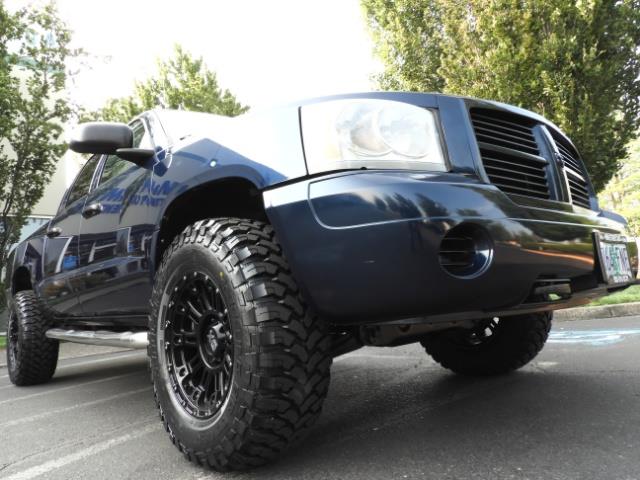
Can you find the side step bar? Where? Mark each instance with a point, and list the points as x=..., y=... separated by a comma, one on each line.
x=101, y=337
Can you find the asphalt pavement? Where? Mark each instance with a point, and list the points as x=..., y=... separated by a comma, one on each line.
x=391, y=413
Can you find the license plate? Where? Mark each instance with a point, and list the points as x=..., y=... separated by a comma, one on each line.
x=614, y=258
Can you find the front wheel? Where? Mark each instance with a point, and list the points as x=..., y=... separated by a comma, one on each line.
x=239, y=364
x=494, y=346
x=31, y=356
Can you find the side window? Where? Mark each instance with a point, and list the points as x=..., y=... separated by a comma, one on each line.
x=82, y=183
x=141, y=138
x=114, y=165
x=157, y=131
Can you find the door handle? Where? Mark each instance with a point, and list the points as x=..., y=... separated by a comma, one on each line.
x=92, y=210
x=54, y=232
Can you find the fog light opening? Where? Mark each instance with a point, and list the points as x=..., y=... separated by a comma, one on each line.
x=466, y=251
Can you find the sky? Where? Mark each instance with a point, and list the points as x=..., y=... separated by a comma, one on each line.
x=264, y=52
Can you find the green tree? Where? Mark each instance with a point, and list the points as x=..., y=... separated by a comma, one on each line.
x=622, y=193
x=34, y=47
x=575, y=62
x=183, y=82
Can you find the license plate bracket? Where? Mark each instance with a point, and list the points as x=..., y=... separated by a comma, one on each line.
x=614, y=258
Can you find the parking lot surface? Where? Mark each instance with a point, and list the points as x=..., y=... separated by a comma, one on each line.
x=391, y=413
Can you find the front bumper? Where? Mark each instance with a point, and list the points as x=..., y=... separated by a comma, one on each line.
x=364, y=247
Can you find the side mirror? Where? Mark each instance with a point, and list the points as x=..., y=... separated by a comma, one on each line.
x=139, y=156
x=101, y=137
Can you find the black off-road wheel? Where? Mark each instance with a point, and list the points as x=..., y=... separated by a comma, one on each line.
x=240, y=366
x=494, y=346
x=31, y=357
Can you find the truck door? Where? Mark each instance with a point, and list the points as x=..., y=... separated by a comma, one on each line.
x=115, y=237
x=61, y=270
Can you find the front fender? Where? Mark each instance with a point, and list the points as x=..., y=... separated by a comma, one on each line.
x=262, y=148
x=7, y=274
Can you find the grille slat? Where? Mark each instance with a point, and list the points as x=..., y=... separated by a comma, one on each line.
x=508, y=130
x=510, y=154
x=521, y=190
x=515, y=169
x=575, y=175
x=532, y=181
x=520, y=163
x=516, y=155
x=507, y=143
x=580, y=196
x=519, y=140
x=576, y=182
x=493, y=117
x=579, y=192
x=571, y=162
x=578, y=189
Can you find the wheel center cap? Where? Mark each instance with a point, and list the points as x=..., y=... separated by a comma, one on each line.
x=212, y=338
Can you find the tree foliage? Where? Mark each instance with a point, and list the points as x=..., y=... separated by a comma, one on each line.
x=622, y=193
x=181, y=82
x=34, y=47
x=575, y=62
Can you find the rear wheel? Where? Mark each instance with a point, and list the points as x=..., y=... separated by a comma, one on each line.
x=31, y=356
x=494, y=346
x=240, y=366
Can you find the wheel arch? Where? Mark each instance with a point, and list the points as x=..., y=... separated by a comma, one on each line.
x=234, y=196
x=21, y=280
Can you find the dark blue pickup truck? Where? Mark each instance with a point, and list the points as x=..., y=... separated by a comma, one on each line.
x=245, y=253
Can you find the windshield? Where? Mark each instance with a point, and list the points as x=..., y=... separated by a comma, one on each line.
x=180, y=124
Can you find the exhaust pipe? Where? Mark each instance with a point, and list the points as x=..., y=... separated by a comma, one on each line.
x=103, y=338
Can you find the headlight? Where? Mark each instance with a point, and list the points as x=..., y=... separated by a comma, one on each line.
x=357, y=133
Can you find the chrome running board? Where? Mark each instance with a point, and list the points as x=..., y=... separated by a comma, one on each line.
x=101, y=337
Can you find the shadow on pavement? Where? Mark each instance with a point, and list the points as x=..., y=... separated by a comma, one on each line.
x=453, y=427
